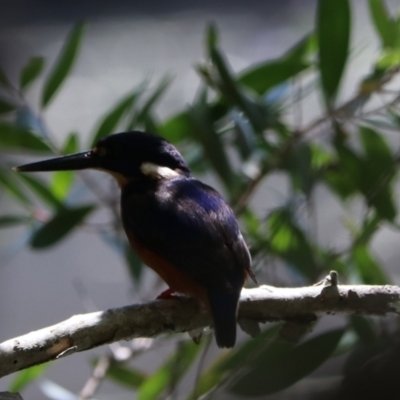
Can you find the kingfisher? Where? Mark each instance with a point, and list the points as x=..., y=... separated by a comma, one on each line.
x=178, y=226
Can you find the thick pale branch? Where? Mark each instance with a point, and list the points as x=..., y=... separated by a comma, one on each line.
x=265, y=303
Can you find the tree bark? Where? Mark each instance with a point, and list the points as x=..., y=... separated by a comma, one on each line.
x=265, y=303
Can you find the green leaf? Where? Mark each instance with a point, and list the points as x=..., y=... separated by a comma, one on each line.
x=176, y=128
x=13, y=189
x=114, y=116
x=62, y=180
x=25, y=377
x=364, y=327
x=125, y=375
x=142, y=115
x=264, y=76
x=282, y=365
x=64, y=64
x=384, y=25
x=170, y=372
x=13, y=138
x=378, y=173
x=227, y=363
x=370, y=271
x=30, y=72
x=3, y=79
x=42, y=191
x=62, y=223
x=6, y=107
x=289, y=242
x=11, y=220
x=377, y=151
x=333, y=32
x=204, y=132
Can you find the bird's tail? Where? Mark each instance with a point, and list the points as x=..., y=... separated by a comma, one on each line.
x=223, y=308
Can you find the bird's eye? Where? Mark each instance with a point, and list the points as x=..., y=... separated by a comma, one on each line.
x=99, y=151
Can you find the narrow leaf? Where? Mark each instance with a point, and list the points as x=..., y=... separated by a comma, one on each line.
x=3, y=79
x=176, y=128
x=59, y=226
x=384, y=25
x=11, y=220
x=126, y=376
x=170, y=372
x=283, y=365
x=62, y=180
x=370, y=271
x=141, y=116
x=111, y=120
x=264, y=76
x=13, y=189
x=30, y=72
x=25, y=377
x=42, y=191
x=14, y=138
x=6, y=107
x=64, y=64
x=333, y=32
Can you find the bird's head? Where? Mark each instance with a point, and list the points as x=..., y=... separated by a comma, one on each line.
x=128, y=156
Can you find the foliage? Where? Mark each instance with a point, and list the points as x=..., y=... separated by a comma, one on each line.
x=238, y=127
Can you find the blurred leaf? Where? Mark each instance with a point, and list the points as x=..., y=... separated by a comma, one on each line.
x=333, y=31
x=30, y=72
x=377, y=151
x=62, y=180
x=11, y=220
x=42, y=191
x=281, y=365
x=378, y=172
x=212, y=36
x=114, y=116
x=384, y=25
x=64, y=64
x=369, y=228
x=62, y=223
x=13, y=189
x=204, y=132
x=3, y=79
x=25, y=377
x=134, y=263
x=176, y=128
x=27, y=120
x=6, y=107
x=289, y=242
x=170, y=372
x=364, y=328
x=142, y=115
x=370, y=271
x=125, y=375
x=264, y=76
x=257, y=113
x=13, y=138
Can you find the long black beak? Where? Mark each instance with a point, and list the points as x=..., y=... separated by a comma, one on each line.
x=83, y=160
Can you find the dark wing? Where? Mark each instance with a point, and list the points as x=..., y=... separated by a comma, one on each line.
x=190, y=225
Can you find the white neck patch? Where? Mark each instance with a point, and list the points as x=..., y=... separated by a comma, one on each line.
x=157, y=171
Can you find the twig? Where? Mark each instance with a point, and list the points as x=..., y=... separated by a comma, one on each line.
x=265, y=303
x=94, y=382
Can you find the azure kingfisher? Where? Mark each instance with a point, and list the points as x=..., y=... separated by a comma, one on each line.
x=178, y=226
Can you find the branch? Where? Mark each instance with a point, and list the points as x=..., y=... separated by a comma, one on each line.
x=265, y=303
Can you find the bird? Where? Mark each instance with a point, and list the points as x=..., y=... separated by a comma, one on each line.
x=180, y=227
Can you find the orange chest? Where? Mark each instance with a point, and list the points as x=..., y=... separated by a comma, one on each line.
x=178, y=280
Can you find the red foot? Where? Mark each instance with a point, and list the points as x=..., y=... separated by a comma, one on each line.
x=167, y=294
